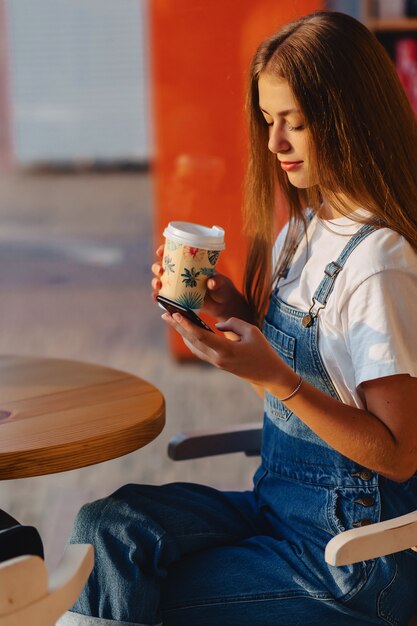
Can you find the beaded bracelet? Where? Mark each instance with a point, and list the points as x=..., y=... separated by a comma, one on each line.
x=300, y=382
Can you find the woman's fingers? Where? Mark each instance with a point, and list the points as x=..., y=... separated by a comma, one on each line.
x=219, y=287
x=225, y=300
x=156, y=284
x=234, y=325
x=157, y=269
x=182, y=325
x=194, y=338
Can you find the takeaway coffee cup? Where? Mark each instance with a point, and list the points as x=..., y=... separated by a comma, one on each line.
x=190, y=255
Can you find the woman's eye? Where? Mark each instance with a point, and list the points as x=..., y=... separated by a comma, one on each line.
x=291, y=128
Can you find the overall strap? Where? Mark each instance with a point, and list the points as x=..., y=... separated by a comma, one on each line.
x=325, y=288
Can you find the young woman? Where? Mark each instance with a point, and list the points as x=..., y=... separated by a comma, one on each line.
x=336, y=360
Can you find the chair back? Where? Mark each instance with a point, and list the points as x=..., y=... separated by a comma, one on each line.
x=28, y=595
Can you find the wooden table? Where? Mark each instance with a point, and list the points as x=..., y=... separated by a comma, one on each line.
x=58, y=415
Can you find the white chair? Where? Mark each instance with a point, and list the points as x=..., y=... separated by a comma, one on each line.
x=29, y=597
x=350, y=546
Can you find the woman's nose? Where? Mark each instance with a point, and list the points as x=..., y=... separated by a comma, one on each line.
x=277, y=142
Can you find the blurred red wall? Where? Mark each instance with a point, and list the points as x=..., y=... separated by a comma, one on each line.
x=200, y=56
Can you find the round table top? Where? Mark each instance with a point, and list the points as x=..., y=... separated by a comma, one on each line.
x=58, y=415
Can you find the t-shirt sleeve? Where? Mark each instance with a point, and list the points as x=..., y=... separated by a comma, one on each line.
x=380, y=325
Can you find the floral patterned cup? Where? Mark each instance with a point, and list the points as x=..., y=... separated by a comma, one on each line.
x=190, y=256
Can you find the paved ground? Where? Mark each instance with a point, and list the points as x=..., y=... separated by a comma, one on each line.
x=75, y=252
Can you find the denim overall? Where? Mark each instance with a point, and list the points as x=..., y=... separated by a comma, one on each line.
x=188, y=555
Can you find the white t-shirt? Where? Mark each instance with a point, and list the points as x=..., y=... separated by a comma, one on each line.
x=369, y=326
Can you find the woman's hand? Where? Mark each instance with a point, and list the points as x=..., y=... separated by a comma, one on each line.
x=157, y=271
x=222, y=299
x=250, y=356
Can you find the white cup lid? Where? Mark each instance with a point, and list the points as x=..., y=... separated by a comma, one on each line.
x=196, y=235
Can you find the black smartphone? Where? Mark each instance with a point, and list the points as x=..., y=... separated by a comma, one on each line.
x=175, y=307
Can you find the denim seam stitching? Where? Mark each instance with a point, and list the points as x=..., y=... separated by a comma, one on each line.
x=358, y=586
x=390, y=619
x=288, y=352
x=203, y=534
x=314, y=341
x=323, y=597
x=277, y=471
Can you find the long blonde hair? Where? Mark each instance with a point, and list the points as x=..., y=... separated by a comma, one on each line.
x=362, y=130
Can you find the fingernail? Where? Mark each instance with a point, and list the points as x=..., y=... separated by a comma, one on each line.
x=177, y=317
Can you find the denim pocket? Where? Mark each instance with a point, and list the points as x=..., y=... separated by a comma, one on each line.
x=275, y=409
x=284, y=345
x=396, y=600
x=353, y=507
x=346, y=509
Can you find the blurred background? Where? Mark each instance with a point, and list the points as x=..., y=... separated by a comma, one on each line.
x=115, y=118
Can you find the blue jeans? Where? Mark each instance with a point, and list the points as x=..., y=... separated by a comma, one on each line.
x=185, y=554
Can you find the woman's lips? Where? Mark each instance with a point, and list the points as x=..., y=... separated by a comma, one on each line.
x=289, y=166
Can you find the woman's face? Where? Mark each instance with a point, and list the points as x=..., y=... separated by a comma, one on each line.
x=288, y=137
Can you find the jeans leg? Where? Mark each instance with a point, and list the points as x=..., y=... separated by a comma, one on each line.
x=261, y=581
x=140, y=530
